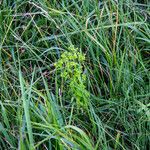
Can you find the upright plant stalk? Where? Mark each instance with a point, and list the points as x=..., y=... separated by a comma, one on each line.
x=71, y=68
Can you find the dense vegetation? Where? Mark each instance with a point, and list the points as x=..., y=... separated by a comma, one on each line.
x=74, y=74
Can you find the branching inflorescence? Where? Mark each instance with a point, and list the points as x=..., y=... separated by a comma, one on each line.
x=71, y=66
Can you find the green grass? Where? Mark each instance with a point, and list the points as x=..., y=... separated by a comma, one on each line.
x=36, y=109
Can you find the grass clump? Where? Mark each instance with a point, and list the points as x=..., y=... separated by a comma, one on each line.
x=97, y=101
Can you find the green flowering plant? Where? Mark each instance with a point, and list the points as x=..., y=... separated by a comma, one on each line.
x=71, y=68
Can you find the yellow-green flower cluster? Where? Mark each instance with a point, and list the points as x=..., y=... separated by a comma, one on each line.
x=71, y=68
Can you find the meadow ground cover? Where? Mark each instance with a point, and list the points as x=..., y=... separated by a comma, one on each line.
x=75, y=74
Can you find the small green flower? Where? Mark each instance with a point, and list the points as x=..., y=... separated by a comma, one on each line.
x=72, y=72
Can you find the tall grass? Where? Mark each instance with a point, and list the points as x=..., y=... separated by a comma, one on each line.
x=36, y=109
